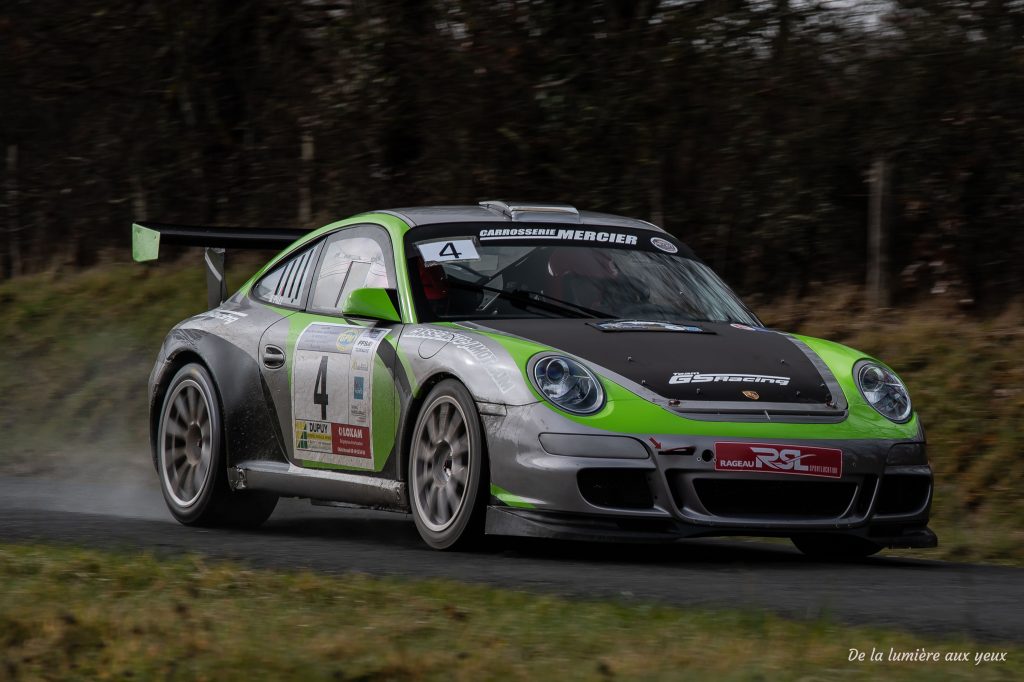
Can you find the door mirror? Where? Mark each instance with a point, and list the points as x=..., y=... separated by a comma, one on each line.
x=372, y=303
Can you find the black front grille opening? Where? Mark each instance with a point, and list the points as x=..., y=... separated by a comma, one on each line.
x=621, y=488
x=800, y=499
x=902, y=494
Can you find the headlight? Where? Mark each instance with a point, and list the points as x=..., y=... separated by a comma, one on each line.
x=568, y=384
x=883, y=390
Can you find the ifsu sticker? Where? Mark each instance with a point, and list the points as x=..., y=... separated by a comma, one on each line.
x=800, y=460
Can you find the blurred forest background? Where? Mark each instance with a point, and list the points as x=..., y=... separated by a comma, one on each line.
x=753, y=129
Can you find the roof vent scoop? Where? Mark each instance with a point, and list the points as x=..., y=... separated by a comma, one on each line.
x=534, y=211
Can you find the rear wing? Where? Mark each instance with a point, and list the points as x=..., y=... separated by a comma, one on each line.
x=147, y=238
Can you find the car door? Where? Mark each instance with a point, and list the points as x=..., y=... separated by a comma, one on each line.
x=340, y=410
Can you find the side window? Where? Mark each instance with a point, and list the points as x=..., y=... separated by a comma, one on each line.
x=352, y=259
x=287, y=284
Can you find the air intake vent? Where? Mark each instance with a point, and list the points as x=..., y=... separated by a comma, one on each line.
x=775, y=499
x=622, y=488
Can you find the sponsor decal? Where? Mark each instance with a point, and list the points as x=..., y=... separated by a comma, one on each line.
x=448, y=251
x=779, y=459
x=225, y=316
x=705, y=378
x=558, y=235
x=484, y=356
x=753, y=395
x=347, y=339
x=312, y=435
x=332, y=393
x=351, y=441
x=646, y=326
x=664, y=244
x=344, y=440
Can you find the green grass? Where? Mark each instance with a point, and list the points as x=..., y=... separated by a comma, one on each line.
x=79, y=614
x=79, y=348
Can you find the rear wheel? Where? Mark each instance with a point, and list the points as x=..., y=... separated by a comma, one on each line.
x=190, y=458
x=835, y=547
x=448, y=469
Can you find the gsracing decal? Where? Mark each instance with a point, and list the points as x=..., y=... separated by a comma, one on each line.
x=779, y=459
x=484, y=356
x=332, y=391
x=705, y=378
x=558, y=235
x=448, y=251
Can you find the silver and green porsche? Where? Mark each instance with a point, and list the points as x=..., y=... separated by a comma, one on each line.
x=527, y=370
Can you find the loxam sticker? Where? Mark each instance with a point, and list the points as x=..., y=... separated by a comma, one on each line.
x=332, y=393
x=448, y=251
x=705, y=378
x=502, y=377
x=779, y=459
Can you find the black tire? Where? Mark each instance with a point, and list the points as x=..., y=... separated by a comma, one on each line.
x=190, y=458
x=448, y=485
x=835, y=547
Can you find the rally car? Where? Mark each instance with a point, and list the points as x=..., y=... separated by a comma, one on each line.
x=523, y=369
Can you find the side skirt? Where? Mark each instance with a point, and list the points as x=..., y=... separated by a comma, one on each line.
x=289, y=480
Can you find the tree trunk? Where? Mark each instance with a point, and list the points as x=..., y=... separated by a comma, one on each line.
x=306, y=179
x=14, y=265
x=878, y=239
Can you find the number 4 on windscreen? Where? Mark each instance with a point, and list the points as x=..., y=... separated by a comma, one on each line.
x=451, y=250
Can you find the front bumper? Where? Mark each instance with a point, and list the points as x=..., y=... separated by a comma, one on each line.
x=665, y=487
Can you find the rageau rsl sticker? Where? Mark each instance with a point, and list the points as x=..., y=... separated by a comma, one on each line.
x=332, y=393
x=771, y=458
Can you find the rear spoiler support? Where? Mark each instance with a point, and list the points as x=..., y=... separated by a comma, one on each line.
x=216, y=276
x=147, y=238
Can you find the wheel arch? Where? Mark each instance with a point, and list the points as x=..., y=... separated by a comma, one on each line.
x=412, y=413
x=172, y=366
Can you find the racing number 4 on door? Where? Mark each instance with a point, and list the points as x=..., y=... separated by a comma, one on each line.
x=320, y=389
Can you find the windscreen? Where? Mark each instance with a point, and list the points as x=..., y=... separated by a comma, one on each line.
x=471, y=271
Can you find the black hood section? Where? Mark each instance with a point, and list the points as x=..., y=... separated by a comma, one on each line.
x=719, y=363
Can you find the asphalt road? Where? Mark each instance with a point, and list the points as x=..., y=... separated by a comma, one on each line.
x=925, y=596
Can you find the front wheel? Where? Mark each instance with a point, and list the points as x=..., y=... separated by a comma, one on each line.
x=190, y=458
x=447, y=468
x=835, y=547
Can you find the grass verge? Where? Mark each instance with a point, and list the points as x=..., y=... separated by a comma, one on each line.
x=81, y=614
